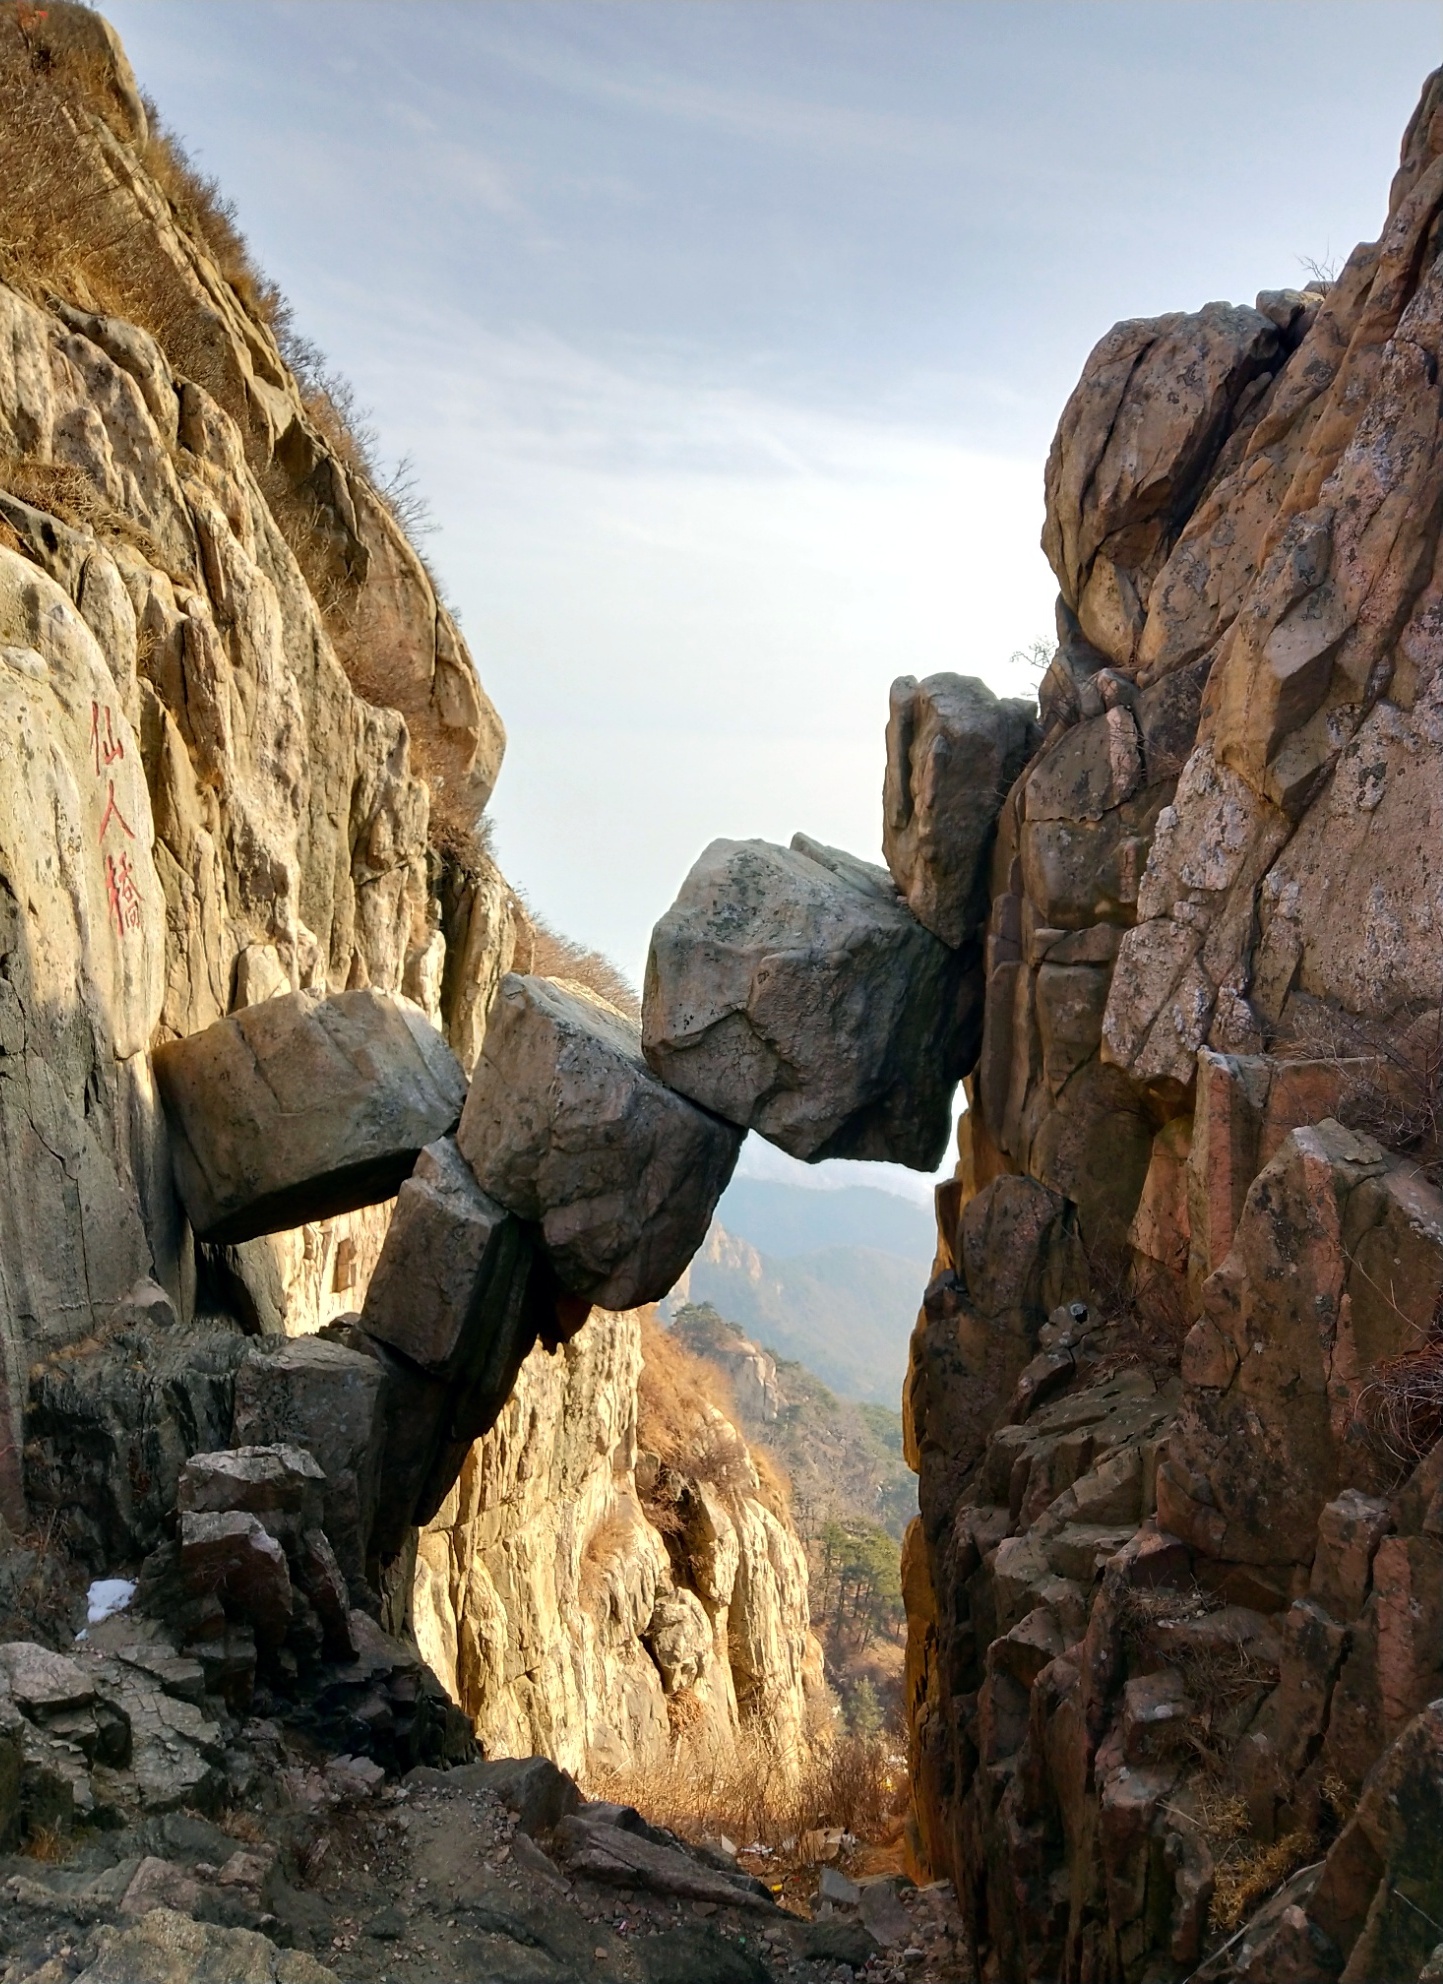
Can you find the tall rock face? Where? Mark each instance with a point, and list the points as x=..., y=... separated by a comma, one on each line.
x=250, y=938
x=243, y=728
x=1175, y=1588
x=585, y=1600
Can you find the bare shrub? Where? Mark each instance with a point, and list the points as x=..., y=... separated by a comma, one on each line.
x=684, y=1414
x=1142, y=1311
x=1402, y=1404
x=555, y=956
x=1390, y=1073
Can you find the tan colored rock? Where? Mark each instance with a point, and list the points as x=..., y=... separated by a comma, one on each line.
x=303, y=1107
x=550, y=1605
x=953, y=751
x=168, y=1948
x=1195, y=907
x=1134, y=448
x=1350, y=1529
x=1246, y=1105
x=1346, y=561
x=1161, y=1226
x=82, y=929
x=792, y=992
x=567, y=1126
x=1380, y=1889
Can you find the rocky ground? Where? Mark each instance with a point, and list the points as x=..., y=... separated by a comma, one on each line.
x=329, y=1869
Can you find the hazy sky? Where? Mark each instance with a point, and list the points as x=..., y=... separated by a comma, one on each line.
x=728, y=339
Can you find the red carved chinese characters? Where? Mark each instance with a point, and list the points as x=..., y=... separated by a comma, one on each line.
x=124, y=895
x=108, y=748
x=120, y=885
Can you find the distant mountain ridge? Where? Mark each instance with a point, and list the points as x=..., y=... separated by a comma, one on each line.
x=831, y=1279
x=798, y=1219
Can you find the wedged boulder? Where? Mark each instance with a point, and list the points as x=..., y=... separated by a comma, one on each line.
x=567, y=1126
x=459, y=1296
x=793, y=992
x=304, y=1106
x=450, y=1289
x=953, y=751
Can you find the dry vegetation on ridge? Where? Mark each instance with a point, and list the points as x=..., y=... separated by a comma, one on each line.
x=97, y=216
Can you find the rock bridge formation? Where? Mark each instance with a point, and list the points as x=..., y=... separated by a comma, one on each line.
x=1175, y=1592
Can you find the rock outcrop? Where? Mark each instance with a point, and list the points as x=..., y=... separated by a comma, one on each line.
x=251, y=944
x=953, y=752
x=1175, y=1586
x=582, y=1600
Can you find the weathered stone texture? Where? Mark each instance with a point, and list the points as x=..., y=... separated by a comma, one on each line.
x=303, y=1106
x=1213, y=973
x=566, y=1126
x=559, y=1616
x=953, y=750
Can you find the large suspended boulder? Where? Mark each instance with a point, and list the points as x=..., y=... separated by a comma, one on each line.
x=792, y=991
x=567, y=1126
x=953, y=751
x=302, y=1107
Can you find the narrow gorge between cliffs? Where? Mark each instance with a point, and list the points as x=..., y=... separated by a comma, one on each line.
x=406, y=1577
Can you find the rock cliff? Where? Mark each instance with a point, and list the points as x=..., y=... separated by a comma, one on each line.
x=586, y=1599
x=250, y=935
x=1175, y=1588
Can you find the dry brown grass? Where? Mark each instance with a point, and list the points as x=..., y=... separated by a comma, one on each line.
x=1247, y=1873
x=759, y=1797
x=685, y=1414
x=1402, y=1404
x=1390, y=1074
x=45, y=1843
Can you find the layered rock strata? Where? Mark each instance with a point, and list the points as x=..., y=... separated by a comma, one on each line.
x=1174, y=1589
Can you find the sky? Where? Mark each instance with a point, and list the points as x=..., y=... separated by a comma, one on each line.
x=726, y=338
